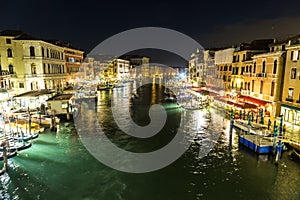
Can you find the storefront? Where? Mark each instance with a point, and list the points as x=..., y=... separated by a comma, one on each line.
x=290, y=114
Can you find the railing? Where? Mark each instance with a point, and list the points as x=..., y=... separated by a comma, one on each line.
x=245, y=92
x=43, y=75
x=261, y=75
x=248, y=74
x=289, y=99
x=4, y=72
x=272, y=76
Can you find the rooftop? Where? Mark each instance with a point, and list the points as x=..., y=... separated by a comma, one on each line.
x=34, y=93
x=59, y=97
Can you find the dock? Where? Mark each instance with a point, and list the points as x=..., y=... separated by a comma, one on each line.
x=260, y=145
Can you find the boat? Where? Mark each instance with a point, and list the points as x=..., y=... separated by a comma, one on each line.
x=44, y=120
x=9, y=155
x=17, y=146
x=296, y=148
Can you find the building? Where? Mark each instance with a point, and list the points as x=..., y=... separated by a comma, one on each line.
x=197, y=71
x=290, y=107
x=243, y=63
x=223, y=62
x=136, y=61
x=30, y=63
x=73, y=58
x=121, y=69
x=265, y=81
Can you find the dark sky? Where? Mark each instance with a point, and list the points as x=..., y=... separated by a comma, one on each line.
x=212, y=23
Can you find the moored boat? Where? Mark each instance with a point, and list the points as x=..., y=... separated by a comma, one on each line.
x=296, y=148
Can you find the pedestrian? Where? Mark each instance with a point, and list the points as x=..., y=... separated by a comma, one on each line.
x=284, y=129
x=269, y=124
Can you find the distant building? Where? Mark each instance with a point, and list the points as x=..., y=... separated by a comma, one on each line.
x=197, y=71
x=223, y=62
x=136, y=61
x=73, y=58
x=121, y=69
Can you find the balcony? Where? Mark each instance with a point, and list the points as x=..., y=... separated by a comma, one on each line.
x=289, y=99
x=261, y=75
x=247, y=74
x=245, y=92
x=272, y=76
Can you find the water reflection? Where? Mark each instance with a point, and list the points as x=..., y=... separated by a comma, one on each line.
x=58, y=165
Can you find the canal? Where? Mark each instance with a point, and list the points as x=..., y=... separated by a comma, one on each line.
x=58, y=166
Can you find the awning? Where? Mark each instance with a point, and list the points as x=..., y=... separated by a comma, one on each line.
x=291, y=107
x=258, y=102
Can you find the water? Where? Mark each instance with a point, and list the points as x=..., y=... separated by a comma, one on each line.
x=58, y=166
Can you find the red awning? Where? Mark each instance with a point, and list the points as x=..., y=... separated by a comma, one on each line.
x=253, y=100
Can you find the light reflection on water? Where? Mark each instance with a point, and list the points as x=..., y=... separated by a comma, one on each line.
x=59, y=167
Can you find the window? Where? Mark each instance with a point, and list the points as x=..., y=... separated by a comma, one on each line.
x=43, y=53
x=49, y=69
x=293, y=73
x=244, y=57
x=9, y=53
x=250, y=68
x=44, y=68
x=243, y=70
x=249, y=86
x=283, y=47
x=252, y=85
x=11, y=69
x=225, y=68
x=247, y=68
x=33, y=68
x=254, y=68
x=272, y=49
x=263, y=67
x=224, y=78
x=8, y=41
x=47, y=53
x=291, y=93
x=272, y=88
x=238, y=58
x=230, y=68
x=221, y=68
x=32, y=52
x=261, y=87
x=275, y=67
x=21, y=85
x=294, y=55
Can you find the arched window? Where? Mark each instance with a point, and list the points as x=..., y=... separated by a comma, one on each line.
x=264, y=67
x=32, y=52
x=9, y=53
x=11, y=69
x=33, y=68
x=275, y=67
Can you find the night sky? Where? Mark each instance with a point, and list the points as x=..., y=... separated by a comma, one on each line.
x=212, y=23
